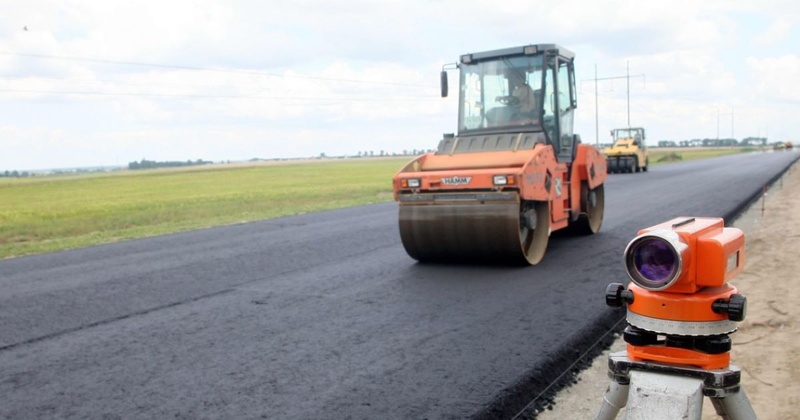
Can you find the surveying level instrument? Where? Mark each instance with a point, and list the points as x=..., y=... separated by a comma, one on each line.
x=680, y=312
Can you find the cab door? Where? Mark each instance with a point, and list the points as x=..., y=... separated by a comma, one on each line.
x=560, y=102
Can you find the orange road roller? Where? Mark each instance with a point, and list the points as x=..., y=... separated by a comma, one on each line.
x=514, y=172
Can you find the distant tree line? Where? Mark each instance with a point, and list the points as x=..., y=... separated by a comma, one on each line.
x=53, y=172
x=747, y=141
x=15, y=174
x=152, y=164
x=383, y=153
x=372, y=153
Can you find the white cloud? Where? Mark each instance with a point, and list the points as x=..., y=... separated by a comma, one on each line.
x=775, y=79
x=778, y=31
x=285, y=71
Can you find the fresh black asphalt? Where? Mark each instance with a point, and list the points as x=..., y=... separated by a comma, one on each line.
x=324, y=316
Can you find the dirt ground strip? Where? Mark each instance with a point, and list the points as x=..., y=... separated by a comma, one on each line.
x=767, y=344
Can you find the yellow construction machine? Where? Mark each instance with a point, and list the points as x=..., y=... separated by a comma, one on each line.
x=629, y=152
x=513, y=173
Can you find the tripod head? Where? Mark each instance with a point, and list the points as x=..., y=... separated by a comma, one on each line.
x=680, y=308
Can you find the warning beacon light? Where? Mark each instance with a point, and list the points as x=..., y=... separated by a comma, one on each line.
x=680, y=305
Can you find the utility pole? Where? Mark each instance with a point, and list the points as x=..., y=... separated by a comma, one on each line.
x=596, y=103
x=628, y=89
x=727, y=113
x=596, y=111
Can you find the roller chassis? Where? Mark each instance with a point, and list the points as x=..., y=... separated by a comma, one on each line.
x=508, y=225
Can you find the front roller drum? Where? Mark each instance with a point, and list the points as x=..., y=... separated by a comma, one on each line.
x=486, y=232
x=613, y=165
x=622, y=164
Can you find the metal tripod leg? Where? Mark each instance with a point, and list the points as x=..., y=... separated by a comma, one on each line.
x=663, y=391
x=615, y=398
x=734, y=406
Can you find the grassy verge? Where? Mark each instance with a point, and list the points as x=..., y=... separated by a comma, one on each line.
x=47, y=214
x=665, y=155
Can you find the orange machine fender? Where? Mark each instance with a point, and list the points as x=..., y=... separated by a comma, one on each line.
x=589, y=166
x=537, y=174
x=413, y=165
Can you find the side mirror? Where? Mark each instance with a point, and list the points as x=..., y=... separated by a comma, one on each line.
x=443, y=83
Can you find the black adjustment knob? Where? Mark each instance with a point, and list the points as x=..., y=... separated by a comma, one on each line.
x=713, y=345
x=616, y=295
x=735, y=307
x=639, y=337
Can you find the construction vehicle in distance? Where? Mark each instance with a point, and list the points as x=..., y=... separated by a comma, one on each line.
x=513, y=173
x=629, y=152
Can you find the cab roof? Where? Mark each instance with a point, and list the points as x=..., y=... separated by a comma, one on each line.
x=531, y=49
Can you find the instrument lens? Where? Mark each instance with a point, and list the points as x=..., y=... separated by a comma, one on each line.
x=655, y=261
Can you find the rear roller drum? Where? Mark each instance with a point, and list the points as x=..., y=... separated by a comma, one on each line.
x=592, y=209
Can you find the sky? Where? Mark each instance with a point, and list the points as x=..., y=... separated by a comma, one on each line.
x=95, y=83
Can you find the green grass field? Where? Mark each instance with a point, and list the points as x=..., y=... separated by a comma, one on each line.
x=665, y=155
x=54, y=213
x=46, y=214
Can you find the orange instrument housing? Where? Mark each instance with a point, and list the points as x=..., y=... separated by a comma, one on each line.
x=714, y=254
x=694, y=307
x=679, y=296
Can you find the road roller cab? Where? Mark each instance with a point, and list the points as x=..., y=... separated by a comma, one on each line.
x=513, y=173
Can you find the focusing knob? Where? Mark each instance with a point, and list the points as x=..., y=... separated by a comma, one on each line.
x=735, y=307
x=616, y=295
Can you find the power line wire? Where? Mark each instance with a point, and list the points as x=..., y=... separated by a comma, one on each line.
x=168, y=95
x=194, y=68
x=115, y=82
x=222, y=87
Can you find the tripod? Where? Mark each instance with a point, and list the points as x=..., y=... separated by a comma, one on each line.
x=656, y=390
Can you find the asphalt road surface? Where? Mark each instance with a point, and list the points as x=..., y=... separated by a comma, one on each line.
x=324, y=316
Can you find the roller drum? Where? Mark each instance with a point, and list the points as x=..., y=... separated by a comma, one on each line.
x=486, y=232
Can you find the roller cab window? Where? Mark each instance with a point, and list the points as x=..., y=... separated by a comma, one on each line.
x=501, y=94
